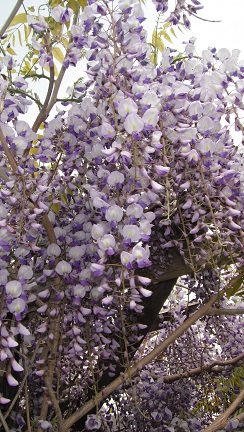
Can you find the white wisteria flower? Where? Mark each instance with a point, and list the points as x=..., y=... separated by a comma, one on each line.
x=115, y=178
x=25, y=272
x=53, y=250
x=13, y=288
x=114, y=213
x=131, y=233
x=97, y=231
x=134, y=210
x=133, y=123
x=76, y=252
x=127, y=106
x=63, y=268
x=17, y=306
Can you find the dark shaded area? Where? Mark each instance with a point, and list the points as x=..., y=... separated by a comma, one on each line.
x=152, y=306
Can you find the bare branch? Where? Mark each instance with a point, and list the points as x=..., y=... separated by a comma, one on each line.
x=53, y=400
x=134, y=369
x=239, y=417
x=52, y=92
x=224, y=311
x=44, y=113
x=50, y=354
x=59, y=80
x=221, y=421
x=10, y=17
x=22, y=92
x=28, y=422
x=49, y=229
x=200, y=18
x=6, y=428
x=56, y=89
x=166, y=315
x=203, y=368
x=8, y=152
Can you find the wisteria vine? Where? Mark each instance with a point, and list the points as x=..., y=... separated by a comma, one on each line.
x=135, y=182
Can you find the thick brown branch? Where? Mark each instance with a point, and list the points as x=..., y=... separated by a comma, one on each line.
x=10, y=17
x=134, y=369
x=49, y=355
x=239, y=417
x=153, y=304
x=222, y=420
x=167, y=315
x=175, y=268
x=49, y=229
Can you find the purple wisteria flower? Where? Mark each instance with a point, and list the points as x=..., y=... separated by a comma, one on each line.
x=93, y=422
x=38, y=24
x=61, y=14
x=137, y=177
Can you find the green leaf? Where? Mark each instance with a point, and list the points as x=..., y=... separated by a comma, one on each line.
x=54, y=3
x=180, y=28
x=74, y=5
x=165, y=35
x=58, y=54
x=65, y=42
x=167, y=25
x=55, y=207
x=18, y=19
x=55, y=27
x=11, y=51
x=26, y=67
x=46, y=68
x=19, y=36
x=27, y=31
x=64, y=199
x=34, y=60
x=157, y=41
x=82, y=3
x=236, y=286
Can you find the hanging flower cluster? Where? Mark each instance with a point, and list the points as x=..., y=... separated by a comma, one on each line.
x=164, y=390
x=142, y=165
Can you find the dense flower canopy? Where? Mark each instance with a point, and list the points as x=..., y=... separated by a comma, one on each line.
x=94, y=204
